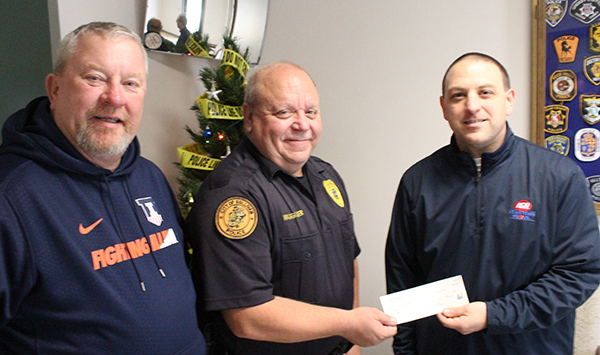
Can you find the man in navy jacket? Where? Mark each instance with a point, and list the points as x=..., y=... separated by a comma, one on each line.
x=514, y=219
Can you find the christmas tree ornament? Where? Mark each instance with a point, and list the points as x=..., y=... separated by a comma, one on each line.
x=207, y=133
x=212, y=93
x=227, y=152
x=189, y=197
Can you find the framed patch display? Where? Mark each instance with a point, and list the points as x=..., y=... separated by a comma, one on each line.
x=565, y=106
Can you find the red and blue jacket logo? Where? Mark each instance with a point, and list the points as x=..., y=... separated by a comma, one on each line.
x=522, y=211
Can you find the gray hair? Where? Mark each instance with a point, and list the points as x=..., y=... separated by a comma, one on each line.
x=108, y=30
x=183, y=19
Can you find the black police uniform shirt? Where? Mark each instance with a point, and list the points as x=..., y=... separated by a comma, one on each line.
x=257, y=233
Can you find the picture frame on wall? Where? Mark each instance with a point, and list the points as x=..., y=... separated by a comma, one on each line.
x=565, y=106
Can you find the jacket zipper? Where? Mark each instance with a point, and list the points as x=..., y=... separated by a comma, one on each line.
x=478, y=201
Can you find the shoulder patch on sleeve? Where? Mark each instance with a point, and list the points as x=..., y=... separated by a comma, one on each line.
x=236, y=218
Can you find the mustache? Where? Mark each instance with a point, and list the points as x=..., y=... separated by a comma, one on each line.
x=296, y=137
x=105, y=114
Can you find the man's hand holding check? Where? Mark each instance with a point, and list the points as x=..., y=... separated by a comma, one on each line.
x=447, y=298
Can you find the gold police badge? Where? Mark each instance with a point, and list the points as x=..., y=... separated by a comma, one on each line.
x=591, y=68
x=334, y=192
x=236, y=218
x=557, y=119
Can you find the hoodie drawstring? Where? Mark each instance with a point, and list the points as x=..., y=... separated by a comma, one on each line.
x=160, y=270
x=121, y=234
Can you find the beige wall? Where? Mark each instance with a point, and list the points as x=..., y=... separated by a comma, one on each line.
x=378, y=66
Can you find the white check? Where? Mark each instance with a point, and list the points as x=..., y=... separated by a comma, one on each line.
x=426, y=300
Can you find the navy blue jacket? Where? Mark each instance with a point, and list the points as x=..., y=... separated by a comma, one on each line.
x=77, y=241
x=523, y=234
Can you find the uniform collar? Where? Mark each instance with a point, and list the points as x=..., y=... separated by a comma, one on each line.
x=269, y=168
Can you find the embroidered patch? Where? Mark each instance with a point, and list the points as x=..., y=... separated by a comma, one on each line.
x=586, y=144
x=594, y=185
x=293, y=215
x=236, y=218
x=557, y=119
x=150, y=210
x=564, y=85
x=558, y=144
x=566, y=48
x=555, y=11
x=522, y=211
x=594, y=41
x=585, y=11
x=590, y=108
x=334, y=192
x=591, y=68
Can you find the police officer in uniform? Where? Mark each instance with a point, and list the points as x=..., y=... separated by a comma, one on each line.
x=273, y=236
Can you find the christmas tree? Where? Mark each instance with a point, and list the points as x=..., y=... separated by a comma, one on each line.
x=219, y=114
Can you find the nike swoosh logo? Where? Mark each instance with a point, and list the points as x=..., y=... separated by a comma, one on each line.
x=86, y=230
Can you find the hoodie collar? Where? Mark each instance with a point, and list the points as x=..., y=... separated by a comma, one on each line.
x=33, y=134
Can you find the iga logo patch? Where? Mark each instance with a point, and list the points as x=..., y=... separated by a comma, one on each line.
x=522, y=211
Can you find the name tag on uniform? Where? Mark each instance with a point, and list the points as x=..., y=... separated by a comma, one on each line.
x=426, y=300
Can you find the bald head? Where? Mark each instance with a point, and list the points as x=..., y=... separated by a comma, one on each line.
x=282, y=115
x=257, y=80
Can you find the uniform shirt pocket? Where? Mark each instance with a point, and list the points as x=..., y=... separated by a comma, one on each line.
x=299, y=260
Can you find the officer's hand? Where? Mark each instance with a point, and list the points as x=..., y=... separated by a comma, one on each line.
x=369, y=326
x=465, y=319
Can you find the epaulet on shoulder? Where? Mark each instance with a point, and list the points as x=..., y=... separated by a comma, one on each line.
x=240, y=177
x=320, y=161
